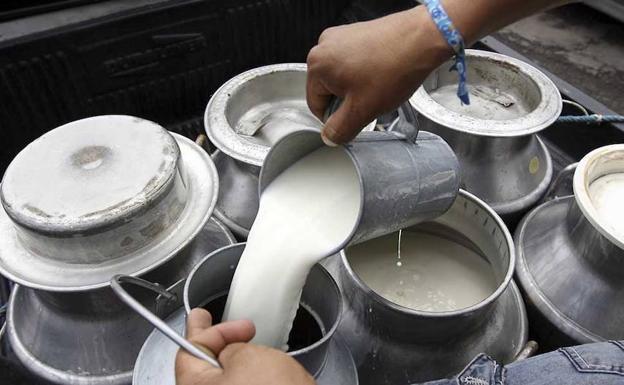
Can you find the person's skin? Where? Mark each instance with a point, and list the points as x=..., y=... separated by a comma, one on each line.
x=374, y=66
x=243, y=363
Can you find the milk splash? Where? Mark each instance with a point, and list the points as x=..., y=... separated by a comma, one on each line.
x=305, y=213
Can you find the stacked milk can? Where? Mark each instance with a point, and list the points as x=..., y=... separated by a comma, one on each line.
x=90, y=199
x=118, y=196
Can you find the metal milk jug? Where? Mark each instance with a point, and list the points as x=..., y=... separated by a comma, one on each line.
x=87, y=200
x=503, y=161
x=406, y=176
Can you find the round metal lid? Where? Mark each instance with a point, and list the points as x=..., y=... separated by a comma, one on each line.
x=599, y=190
x=508, y=97
x=88, y=174
x=253, y=110
x=24, y=253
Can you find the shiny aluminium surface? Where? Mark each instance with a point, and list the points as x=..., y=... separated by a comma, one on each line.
x=328, y=360
x=510, y=174
x=387, y=339
x=198, y=176
x=502, y=160
x=91, y=337
x=571, y=255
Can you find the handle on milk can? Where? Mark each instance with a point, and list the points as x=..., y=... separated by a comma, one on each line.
x=564, y=175
x=116, y=285
x=405, y=126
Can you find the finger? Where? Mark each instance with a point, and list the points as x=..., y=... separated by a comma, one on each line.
x=317, y=95
x=344, y=124
x=219, y=336
x=197, y=321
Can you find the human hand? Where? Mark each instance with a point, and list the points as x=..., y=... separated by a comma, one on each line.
x=373, y=66
x=243, y=363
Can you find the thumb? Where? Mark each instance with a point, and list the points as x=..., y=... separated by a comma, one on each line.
x=344, y=124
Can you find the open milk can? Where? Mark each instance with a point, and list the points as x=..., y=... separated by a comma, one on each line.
x=503, y=161
x=395, y=344
x=312, y=340
x=243, y=119
x=85, y=201
x=571, y=256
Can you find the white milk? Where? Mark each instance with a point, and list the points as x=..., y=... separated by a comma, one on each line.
x=433, y=274
x=305, y=214
x=607, y=193
x=485, y=102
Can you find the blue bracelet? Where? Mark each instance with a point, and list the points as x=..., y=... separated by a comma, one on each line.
x=455, y=40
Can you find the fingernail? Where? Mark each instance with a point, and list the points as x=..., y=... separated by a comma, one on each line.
x=327, y=141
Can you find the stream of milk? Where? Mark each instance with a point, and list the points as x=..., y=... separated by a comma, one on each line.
x=305, y=213
x=432, y=274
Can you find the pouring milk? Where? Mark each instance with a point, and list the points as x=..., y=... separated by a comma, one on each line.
x=305, y=213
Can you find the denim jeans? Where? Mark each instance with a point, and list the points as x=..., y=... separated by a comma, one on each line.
x=592, y=364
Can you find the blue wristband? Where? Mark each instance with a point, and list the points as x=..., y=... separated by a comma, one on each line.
x=455, y=40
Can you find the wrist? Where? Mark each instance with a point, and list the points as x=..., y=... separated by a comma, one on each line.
x=432, y=46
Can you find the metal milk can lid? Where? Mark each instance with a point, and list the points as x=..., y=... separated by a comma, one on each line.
x=89, y=174
x=100, y=196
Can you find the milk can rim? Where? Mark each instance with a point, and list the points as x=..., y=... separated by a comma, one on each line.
x=448, y=314
x=546, y=112
x=326, y=337
x=581, y=191
x=218, y=129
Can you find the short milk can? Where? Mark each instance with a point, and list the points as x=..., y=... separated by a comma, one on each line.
x=571, y=256
x=503, y=161
x=395, y=344
x=243, y=119
x=85, y=201
x=312, y=340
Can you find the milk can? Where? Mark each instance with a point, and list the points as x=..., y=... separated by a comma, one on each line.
x=243, y=119
x=392, y=344
x=312, y=340
x=571, y=256
x=87, y=200
x=503, y=161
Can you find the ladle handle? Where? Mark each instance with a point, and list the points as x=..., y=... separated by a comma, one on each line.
x=563, y=176
x=116, y=286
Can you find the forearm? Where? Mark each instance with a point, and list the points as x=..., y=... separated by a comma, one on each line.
x=476, y=19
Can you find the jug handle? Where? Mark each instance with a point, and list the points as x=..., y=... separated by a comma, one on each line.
x=405, y=126
x=407, y=123
x=116, y=285
x=563, y=176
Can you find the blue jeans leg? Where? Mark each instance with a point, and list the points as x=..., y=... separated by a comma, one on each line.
x=592, y=364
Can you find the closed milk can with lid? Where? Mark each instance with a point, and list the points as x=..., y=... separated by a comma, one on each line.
x=90, y=199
